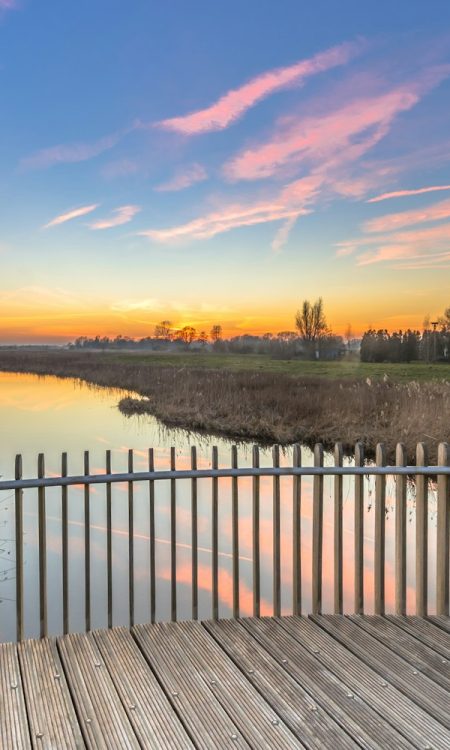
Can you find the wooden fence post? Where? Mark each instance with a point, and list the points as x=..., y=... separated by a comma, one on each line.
x=317, y=540
x=443, y=534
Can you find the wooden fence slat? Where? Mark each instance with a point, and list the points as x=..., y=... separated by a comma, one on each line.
x=215, y=536
x=380, y=533
x=400, y=533
x=87, y=547
x=443, y=534
x=109, y=541
x=317, y=540
x=276, y=536
x=256, y=536
x=65, y=546
x=130, y=542
x=42, y=534
x=359, y=532
x=194, y=536
x=18, y=512
x=338, y=539
x=151, y=467
x=421, y=534
x=173, y=541
x=235, y=531
x=296, y=534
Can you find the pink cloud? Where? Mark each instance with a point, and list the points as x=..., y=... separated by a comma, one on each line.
x=193, y=174
x=323, y=137
x=120, y=168
x=8, y=4
x=75, y=213
x=121, y=215
x=405, y=193
x=417, y=248
x=390, y=222
x=341, y=135
x=69, y=154
x=290, y=203
x=236, y=102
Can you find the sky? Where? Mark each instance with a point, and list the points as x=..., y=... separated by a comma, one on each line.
x=217, y=163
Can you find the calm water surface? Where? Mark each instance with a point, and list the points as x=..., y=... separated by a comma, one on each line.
x=51, y=415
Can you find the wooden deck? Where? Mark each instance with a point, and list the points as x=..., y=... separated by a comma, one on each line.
x=322, y=682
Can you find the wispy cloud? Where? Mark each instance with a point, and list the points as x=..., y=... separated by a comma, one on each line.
x=290, y=203
x=131, y=305
x=8, y=4
x=121, y=215
x=221, y=221
x=390, y=222
x=236, y=102
x=184, y=179
x=74, y=213
x=406, y=193
x=120, y=168
x=345, y=133
x=69, y=153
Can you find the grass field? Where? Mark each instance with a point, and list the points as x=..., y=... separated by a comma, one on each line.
x=398, y=372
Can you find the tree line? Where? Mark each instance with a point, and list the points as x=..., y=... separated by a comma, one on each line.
x=311, y=338
x=432, y=344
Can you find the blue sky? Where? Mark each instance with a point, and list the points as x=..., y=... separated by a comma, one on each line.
x=218, y=162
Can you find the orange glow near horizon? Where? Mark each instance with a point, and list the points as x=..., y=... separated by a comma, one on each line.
x=62, y=326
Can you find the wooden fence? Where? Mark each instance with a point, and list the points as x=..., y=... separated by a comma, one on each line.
x=421, y=471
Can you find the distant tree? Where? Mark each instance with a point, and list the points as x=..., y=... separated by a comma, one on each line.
x=311, y=323
x=202, y=338
x=163, y=330
x=187, y=334
x=216, y=333
x=286, y=336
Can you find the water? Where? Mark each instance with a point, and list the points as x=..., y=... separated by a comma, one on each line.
x=51, y=415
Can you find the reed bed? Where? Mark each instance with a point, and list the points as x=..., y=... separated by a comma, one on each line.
x=264, y=406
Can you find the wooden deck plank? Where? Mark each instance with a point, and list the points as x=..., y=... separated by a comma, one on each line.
x=395, y=670
x=52, y=719
x=152, y=717
x=426, y=632
x=442, y=621
x=316, y=729
x=328, y=692
x=258, y=722
x=102, y=718
x=205, y=719
x=14, y=730
x=401, y=712
x=410, y=648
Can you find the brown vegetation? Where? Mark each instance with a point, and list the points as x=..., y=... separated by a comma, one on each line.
x=264, y=406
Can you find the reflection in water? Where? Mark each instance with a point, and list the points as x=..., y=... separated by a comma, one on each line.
x=51, y=415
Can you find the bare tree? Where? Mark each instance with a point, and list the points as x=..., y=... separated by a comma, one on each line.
x=216, y=333
x=163, y=330
x=187, y=334
x=311, y=322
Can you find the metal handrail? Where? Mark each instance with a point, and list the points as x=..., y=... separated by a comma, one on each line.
x=268, y=471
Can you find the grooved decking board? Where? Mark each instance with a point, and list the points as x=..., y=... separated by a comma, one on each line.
x=316, y=729
x=415, y=724
x=427, y=633
x=207, y=722
x=404, y=644
x=51, y=714
x=260, y=724
x=322, y=683
x=441, y=621
x=332, y=695
x=13, y=717
x=148, y=709
x=395, y=670
x=102, y=718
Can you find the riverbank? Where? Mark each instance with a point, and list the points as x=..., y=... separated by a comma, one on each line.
x=263, y=404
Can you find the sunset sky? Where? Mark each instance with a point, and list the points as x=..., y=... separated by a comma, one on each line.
x=218, y=162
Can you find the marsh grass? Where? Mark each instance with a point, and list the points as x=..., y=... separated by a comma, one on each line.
x=267, y=406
